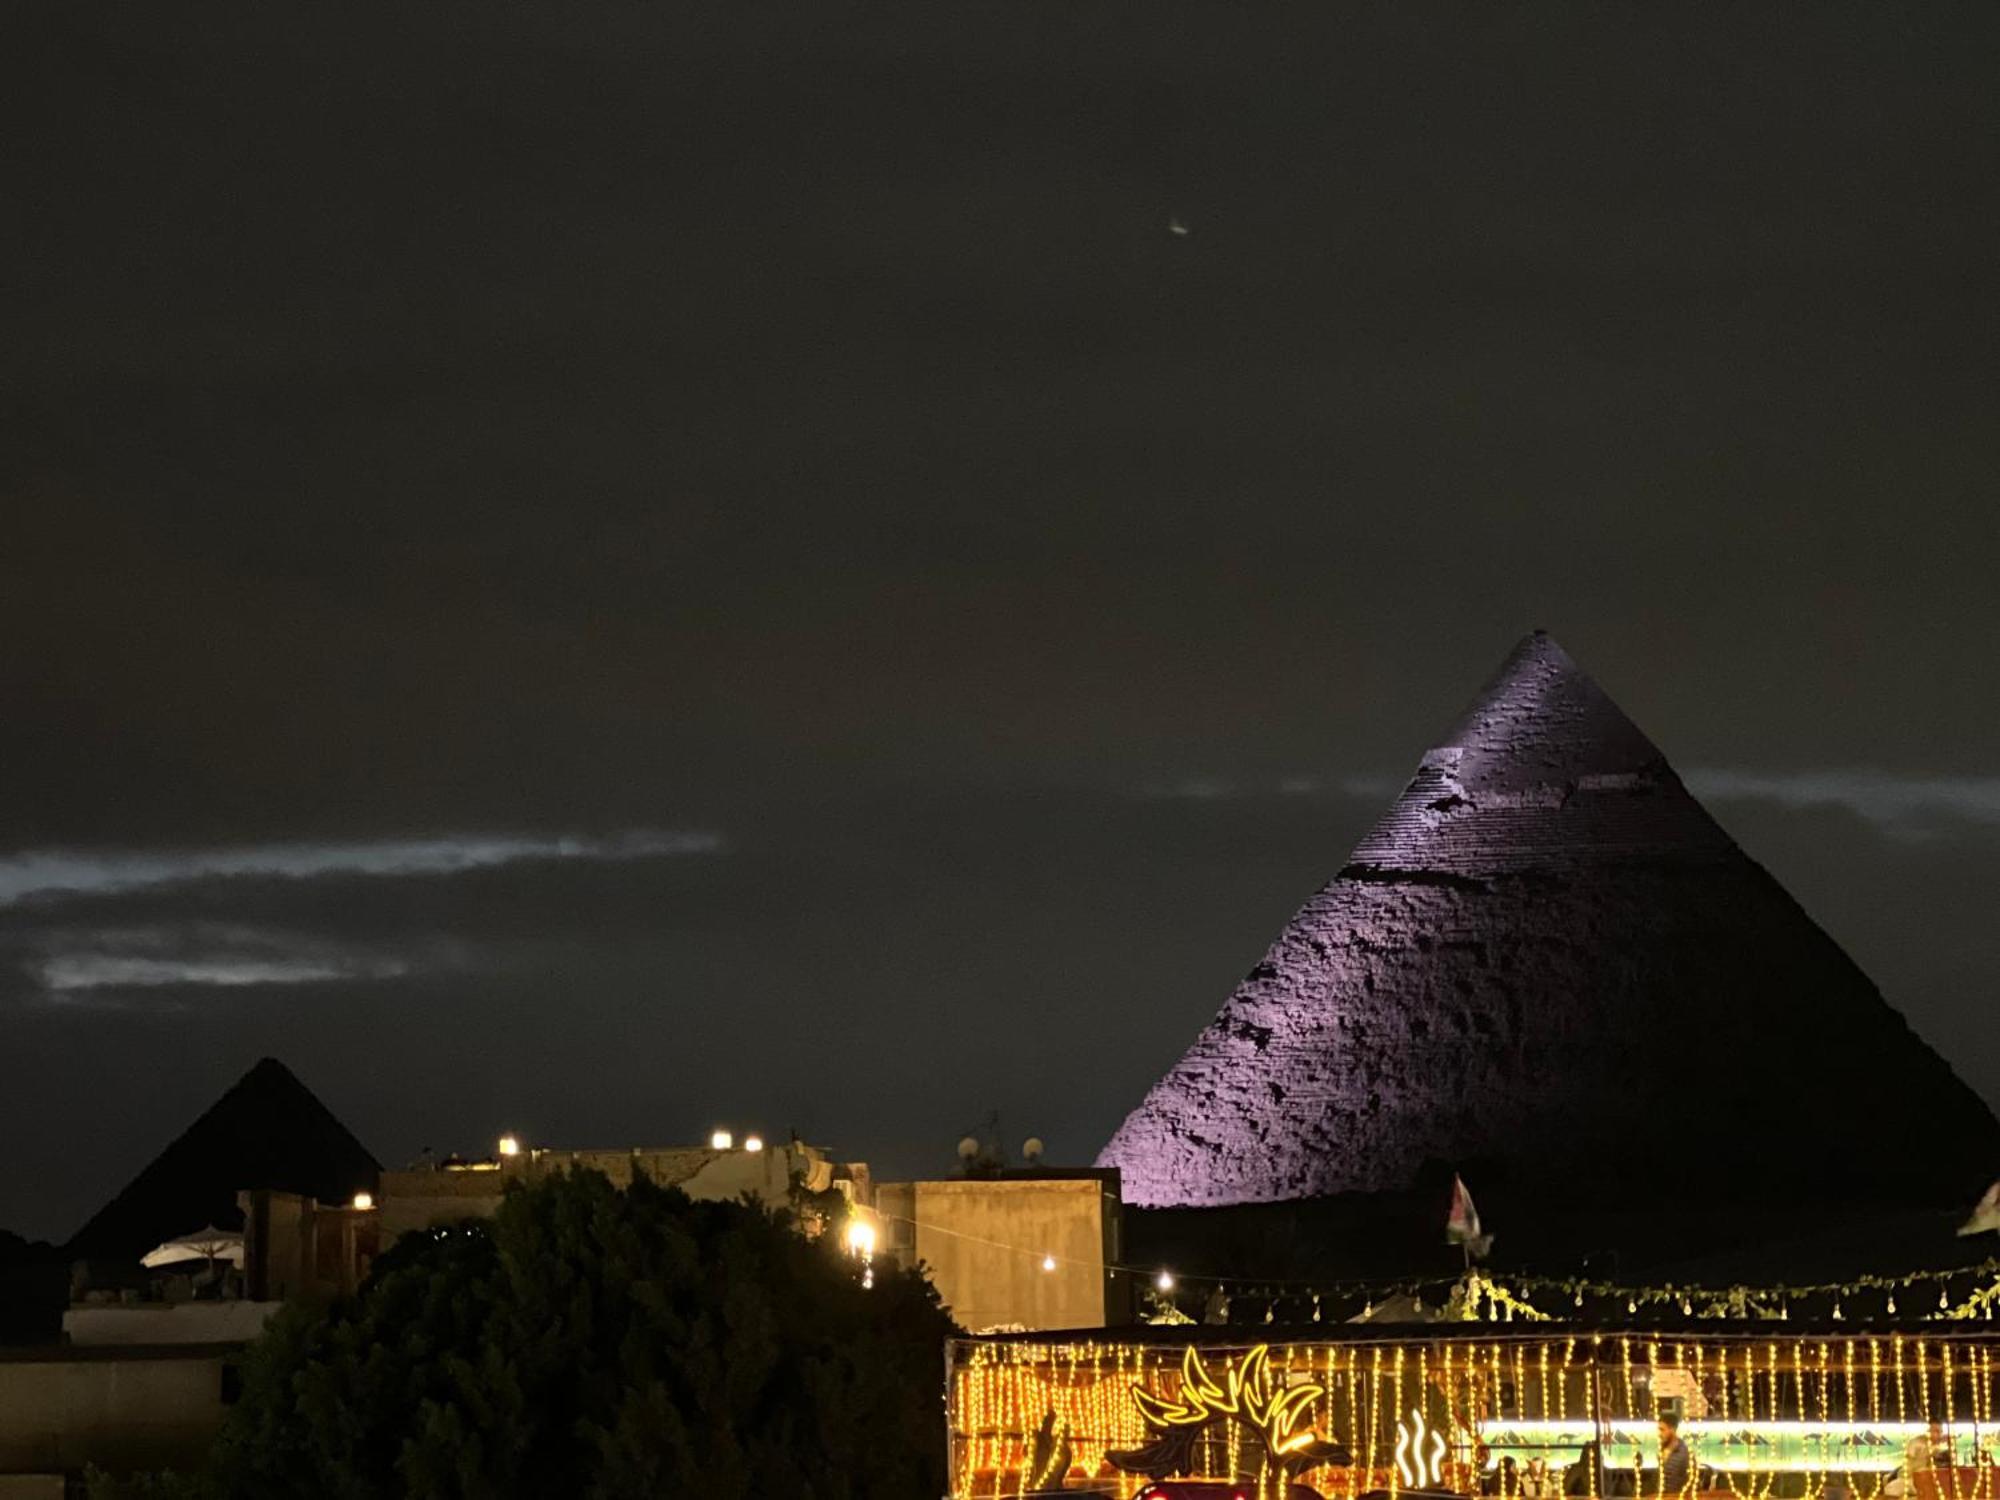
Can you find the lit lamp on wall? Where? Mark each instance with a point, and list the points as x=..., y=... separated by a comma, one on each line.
x=510, y=1145
x=753, y=1143
x=721, y=1140
x=860, y=1238
x=364, y=1200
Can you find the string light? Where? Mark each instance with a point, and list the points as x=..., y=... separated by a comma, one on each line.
x=1336, y=1300
x=1769, y=1415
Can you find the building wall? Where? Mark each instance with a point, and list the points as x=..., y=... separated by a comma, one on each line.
x=129, y=1409
x=296, y=1247
x=982, y=1241
x=152, y=1323
x=418, y=1200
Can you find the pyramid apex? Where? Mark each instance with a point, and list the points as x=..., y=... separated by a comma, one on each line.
x=1542, y=767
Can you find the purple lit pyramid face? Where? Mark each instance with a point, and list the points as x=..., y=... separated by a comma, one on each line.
x=1548, y=962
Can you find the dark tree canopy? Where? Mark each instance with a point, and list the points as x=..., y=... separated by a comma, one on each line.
x=589, y=1341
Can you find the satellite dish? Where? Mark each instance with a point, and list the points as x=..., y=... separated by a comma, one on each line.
x=1031, y=1148
x=968, y=1147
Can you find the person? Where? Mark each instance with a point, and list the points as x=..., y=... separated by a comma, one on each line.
x=1675, y=1467
x=1585, y=1476
x=1932, y=1450
x=1588, y=1476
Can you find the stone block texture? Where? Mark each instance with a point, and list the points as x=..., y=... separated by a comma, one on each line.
x=1548, y=963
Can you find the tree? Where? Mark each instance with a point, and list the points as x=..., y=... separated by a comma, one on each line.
x=595, y=1342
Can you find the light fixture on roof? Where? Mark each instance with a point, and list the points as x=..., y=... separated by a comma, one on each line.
x=722, y=1140
x=753, y=1143
x=364, y=1200
x=510, y=1145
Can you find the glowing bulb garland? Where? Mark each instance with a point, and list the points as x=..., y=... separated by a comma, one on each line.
x=1296, y=1302
x=1440, y=1410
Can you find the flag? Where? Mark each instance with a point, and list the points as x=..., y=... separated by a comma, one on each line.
x=1985, y=1213
x=1462, y=1228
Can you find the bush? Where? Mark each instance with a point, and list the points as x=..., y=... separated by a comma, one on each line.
x=589, y=1341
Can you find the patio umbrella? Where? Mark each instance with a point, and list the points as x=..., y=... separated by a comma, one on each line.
x=207, y=1243
x=1401, y=1308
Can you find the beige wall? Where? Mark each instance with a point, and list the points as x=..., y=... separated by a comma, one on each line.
x=237, y=1322
x=417, y=1200
x=982, y=1241
x=61, y=1409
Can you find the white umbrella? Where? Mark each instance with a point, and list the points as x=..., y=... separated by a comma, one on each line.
x=207, y=1243
x=1401, y=1308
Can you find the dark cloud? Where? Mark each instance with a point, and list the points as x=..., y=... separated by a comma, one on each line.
x=488, y=416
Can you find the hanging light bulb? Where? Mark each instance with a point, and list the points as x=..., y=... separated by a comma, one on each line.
x=1892, y=1304
x=1838, y=1315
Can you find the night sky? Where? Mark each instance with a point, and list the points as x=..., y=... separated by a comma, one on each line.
x=603, y=569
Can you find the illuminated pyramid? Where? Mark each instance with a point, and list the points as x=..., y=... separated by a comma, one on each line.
x=1549, y=961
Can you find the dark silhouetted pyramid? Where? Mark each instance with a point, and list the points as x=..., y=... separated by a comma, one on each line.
x=1548, y=961
x=267, y=1131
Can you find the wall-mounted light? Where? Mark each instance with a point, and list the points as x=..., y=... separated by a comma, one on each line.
x=753, y=1143
x=722, y=1140
x=364, y=1200
x=510, y=1146
x=1164, y=1281
x=1048, y=1262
